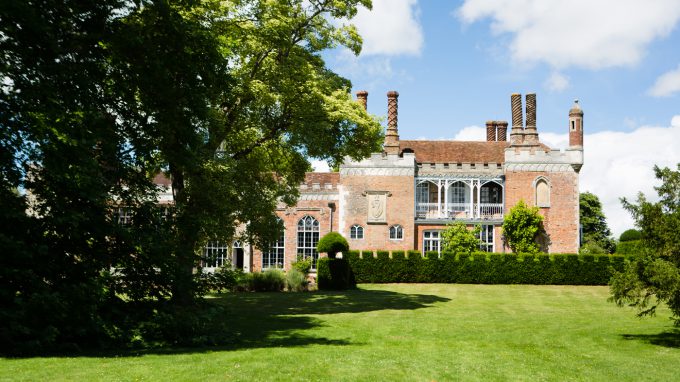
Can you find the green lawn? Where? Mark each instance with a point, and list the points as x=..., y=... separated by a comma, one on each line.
x=406, y=332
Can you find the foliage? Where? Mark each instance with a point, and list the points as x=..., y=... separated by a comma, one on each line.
x=593, y=223
x=303, y=265
x=654, y=278
x=522, y=227
x=271, y=280
x=632, y=247
x=630, y=235
x=228, y=99
x=457, y=238
x=332, y=243
x=224, y=279
x=591, y=248
x=296, y=281
x=485, y=268
x=335, y=274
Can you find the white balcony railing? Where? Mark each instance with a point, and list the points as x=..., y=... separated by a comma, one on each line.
x=452, y=211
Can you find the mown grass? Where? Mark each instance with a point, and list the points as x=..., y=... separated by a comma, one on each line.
x=406, y=332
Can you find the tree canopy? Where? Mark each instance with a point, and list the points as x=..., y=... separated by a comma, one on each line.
x=522, y=227
x=593, y=223
x=457, y=238
x=228, y=98
x=654, y=276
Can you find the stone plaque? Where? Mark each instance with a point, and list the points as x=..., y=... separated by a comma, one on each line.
x=377, y=207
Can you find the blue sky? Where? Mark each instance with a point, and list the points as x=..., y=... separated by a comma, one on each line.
x=455, y=65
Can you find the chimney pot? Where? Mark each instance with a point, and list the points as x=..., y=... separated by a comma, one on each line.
x=490, y=131
x=391, y=145
x=362, y=97
x=502, y=131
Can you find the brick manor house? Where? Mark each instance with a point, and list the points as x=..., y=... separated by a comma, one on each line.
x=403, y=197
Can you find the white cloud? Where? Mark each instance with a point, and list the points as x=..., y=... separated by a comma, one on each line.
x=320, y=166
x=471, y=133
x=667, y=84
x=556, y=82
x=390, y=28
x=617, y=164
x=577, y=33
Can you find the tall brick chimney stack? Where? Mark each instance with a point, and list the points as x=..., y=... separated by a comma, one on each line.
x=530, y=132
x=490, y=131
x=501, y=131
x=362, y=97
x=576, y=126
x=391, y=145
x=517, y=133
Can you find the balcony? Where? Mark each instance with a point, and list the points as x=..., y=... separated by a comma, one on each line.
x=459, y=211
x=459, y=198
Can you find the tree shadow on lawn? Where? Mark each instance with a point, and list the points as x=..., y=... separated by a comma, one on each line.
x=272, y=319
x=670, y=339
x=276, y=319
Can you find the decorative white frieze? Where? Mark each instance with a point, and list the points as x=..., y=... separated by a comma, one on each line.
x=544, y=167
x=380, y=165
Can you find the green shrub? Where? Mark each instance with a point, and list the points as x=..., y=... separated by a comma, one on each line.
x=591, y=248
x=485, y=268
x=303, y=265
x=334, y=274
x=271, y=280
x=332, y=243
x=296, y=281
x=630, y=235
x=630, y=247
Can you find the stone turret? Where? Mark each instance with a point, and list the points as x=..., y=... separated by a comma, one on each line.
x=576, y=126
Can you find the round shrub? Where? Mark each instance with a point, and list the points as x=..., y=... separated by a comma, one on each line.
x=630, y=235
x=332, y=243
x=296, y=281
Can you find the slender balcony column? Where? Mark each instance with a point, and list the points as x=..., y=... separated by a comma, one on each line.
x=439, y=198
x=472, y=199
x=446, y=198
x=479, y=199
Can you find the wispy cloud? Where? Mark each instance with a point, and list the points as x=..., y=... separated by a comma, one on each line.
x=667, y=84
x=557, y=82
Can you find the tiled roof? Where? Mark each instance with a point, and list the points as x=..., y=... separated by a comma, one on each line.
x=456, y=151
x=161, y=180
x=322, y=178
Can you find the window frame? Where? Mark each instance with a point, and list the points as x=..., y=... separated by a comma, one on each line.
x=398, y=232
x=308, y=238
x=432, y=240
x=356, y=232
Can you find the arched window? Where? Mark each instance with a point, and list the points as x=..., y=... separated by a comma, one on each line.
x=396, y=232
x=356, y=232
x=273, y=256
x=542, y=192
x=308, y=238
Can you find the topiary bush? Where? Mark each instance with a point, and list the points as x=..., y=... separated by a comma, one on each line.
x=334, y=274
x=630, y=235
x=332, y=243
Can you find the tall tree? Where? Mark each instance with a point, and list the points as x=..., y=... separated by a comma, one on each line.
x=232, y=98
x=654, y=277
x=522, y=227
x=593, y=222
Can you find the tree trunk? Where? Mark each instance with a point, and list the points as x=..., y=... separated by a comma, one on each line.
x=183, y=287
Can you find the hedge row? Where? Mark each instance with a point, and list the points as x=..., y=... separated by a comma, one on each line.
x=484, y=268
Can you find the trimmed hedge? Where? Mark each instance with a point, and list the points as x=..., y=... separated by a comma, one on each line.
x=334, y=274
x=484, y=268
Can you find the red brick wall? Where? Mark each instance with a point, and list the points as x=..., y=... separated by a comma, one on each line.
x=561, y=218
x=400, y=210
x=318, y=209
